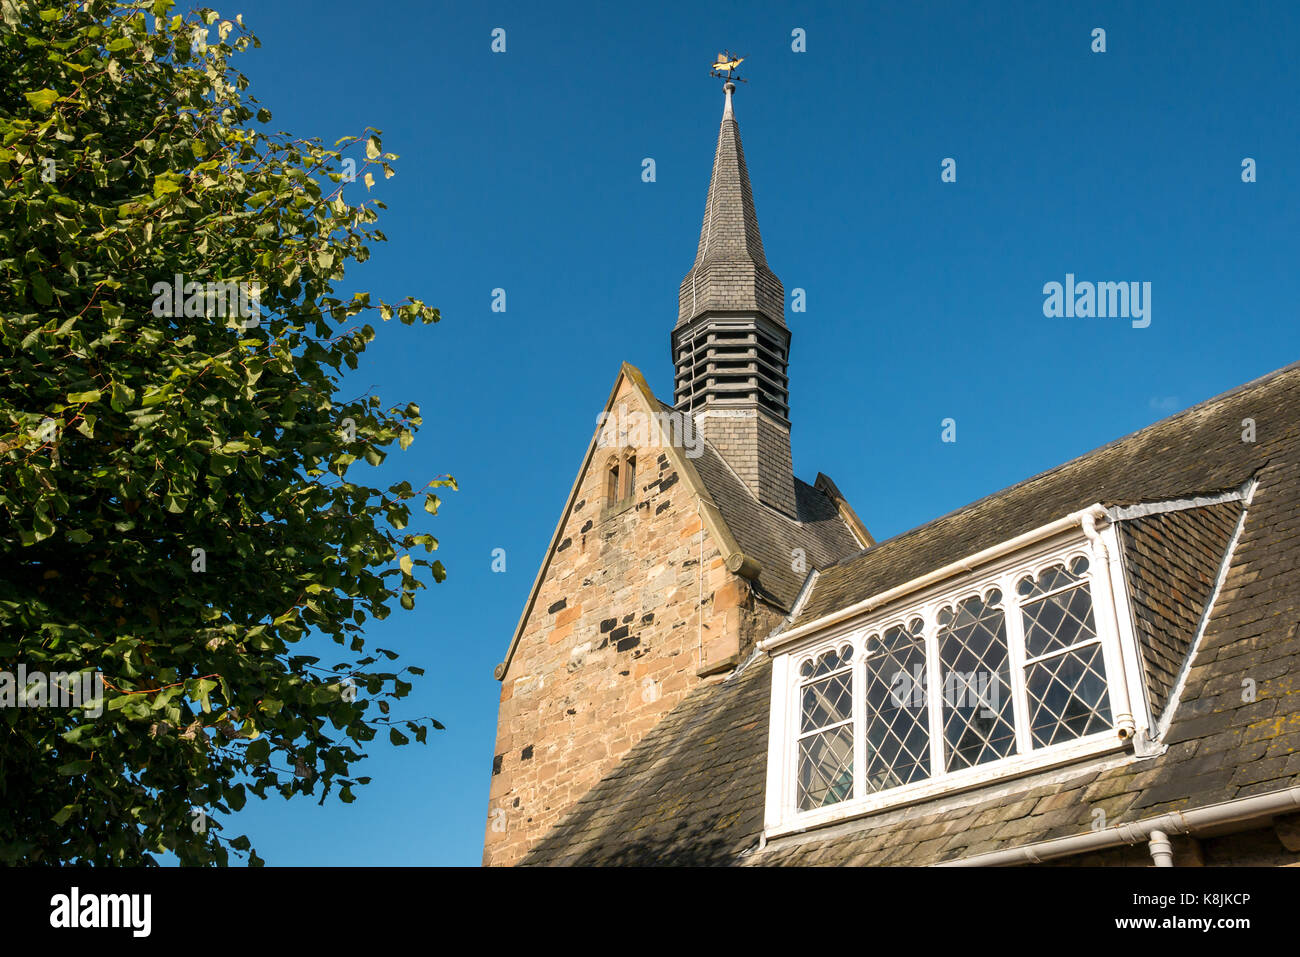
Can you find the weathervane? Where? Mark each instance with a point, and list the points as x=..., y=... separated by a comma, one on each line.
x=725, y=66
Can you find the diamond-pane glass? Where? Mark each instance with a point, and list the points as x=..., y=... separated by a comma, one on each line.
x=1067, y=696
x=832, y=660
x=897, y=729
x=1058, y=621
x=1052, y=578
x=827, y=701
x=978, y=721
x=826, y=768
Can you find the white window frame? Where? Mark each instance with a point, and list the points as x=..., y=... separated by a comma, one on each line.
x=1126, y=693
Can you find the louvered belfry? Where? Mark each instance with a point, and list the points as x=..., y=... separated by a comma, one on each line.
x=731, y=345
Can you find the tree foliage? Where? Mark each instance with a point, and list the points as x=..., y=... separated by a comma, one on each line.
x=177, y=509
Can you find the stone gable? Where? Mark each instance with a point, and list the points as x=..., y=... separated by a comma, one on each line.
x=634, y=603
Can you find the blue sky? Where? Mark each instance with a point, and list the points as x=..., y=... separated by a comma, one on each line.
x=522, y=171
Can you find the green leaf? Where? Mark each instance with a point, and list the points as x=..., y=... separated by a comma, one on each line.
x=76, y=398
x=120, y=396
x=259, y=752
x=41, y=290
x=166, y=183
x=42, y=99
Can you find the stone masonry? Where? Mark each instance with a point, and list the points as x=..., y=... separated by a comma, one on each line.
x=635, y=602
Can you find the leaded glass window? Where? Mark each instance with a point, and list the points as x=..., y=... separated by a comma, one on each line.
x=1065, y=676
x=1000, y=666
x=897, y=712
x=978, y=721
x=825, y=729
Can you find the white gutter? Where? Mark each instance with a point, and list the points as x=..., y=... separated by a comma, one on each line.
x=774, y=641
x=1155, y=830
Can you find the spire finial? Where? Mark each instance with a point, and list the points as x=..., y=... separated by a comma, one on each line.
x=724, y=67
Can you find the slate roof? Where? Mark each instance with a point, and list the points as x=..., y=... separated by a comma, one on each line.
x=1172, y=560
x=691, y=792
x=730, y=271
x=771, y=537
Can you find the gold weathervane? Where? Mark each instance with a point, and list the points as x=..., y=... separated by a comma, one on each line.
x=725, y=66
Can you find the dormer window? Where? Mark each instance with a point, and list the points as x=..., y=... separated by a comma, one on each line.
x=1002, y=667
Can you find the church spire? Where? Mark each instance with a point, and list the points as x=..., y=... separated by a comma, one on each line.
x=730, y=270
x=730, y=343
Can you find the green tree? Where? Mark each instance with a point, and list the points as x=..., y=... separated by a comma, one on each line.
x=176, y=507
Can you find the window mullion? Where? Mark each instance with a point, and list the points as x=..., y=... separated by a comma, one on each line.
x=1105, y=617
x=1138, y=693
x=781, y=743
x=1016, y=651
x=793, y=707
x=859, y=720
x=934, y=691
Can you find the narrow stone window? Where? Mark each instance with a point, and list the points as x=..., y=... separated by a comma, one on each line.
x=630, y=469
x=611, y=483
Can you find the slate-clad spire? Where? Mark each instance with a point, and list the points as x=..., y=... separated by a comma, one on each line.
x=730, y=270
x=730, y=343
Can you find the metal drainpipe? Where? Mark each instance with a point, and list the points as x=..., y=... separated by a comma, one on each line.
x=1162, y=851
